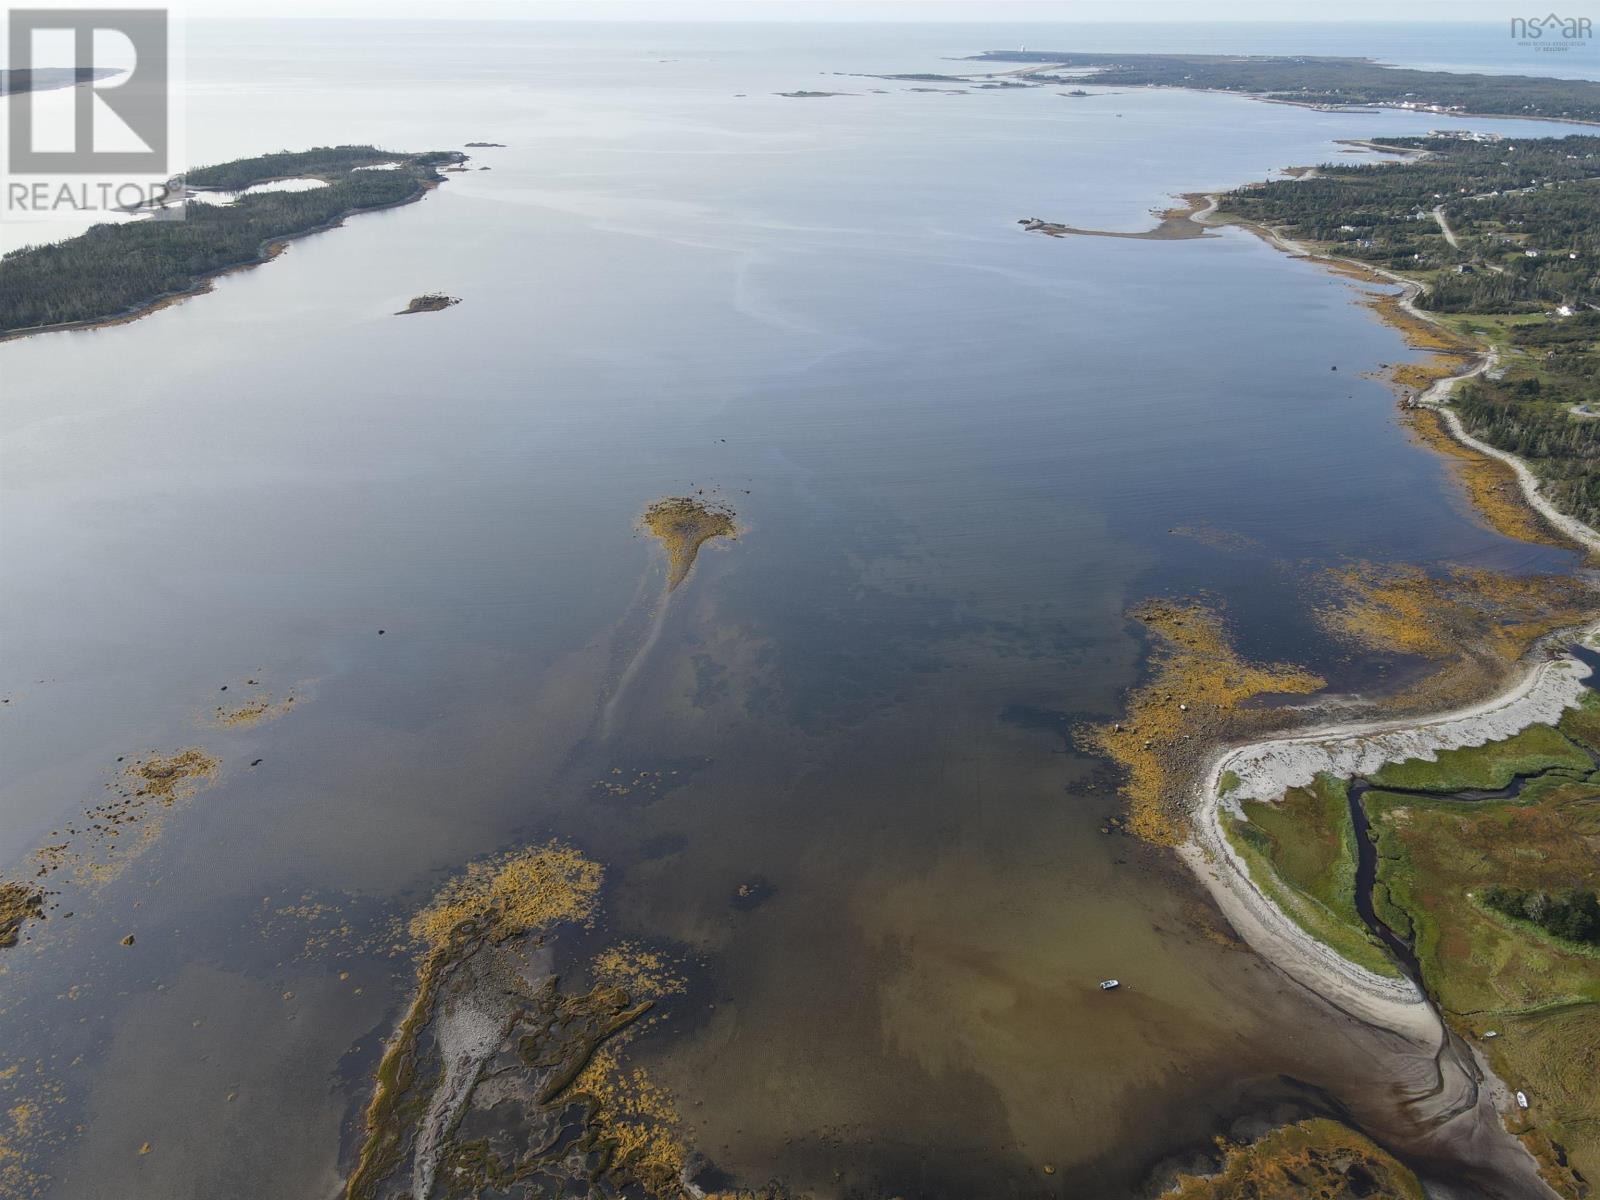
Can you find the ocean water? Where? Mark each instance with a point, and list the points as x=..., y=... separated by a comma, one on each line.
x=958, y=454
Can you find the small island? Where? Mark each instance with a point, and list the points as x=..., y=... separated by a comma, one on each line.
x=428, y=302
x=486, y=145
x=683, y=524
x=117, y=272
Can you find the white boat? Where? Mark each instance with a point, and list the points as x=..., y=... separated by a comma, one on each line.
x=1522, y=1099
x=1107, y=984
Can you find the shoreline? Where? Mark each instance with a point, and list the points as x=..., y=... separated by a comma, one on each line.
x=1436, y=396
x=1445, y=114
x=1543, y=689
x=1445, y=1096
x=1177, y=224
x=1269, y=98
x=265, y=253
x=1543, y=685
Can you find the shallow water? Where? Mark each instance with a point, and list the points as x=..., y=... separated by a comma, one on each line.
x=958, y=454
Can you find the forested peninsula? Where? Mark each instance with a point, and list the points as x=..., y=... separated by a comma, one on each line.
x=119, y=270
x=1326, y=82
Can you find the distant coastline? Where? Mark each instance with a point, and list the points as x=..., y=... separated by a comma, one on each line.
x=1329, y=83
x=47, y=79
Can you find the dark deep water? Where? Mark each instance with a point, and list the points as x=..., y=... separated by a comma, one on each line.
x=958, y=455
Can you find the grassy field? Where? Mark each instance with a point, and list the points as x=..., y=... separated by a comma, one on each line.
x=1489, y=972
x=1302, y=852
x=1582, y=724
x=1434, y=855
x=1536, y=748
x=1555, y=1057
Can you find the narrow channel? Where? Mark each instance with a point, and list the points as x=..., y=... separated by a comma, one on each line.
x=1366, y=880
x=1367, y=849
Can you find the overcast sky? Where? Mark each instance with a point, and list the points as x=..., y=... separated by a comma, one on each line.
x=982, y=11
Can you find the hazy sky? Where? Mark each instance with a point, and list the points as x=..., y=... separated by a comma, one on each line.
x=983, y=11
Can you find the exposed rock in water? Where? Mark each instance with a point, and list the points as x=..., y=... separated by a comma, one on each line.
x=428, y=302
x=752, y=893
x=18, y=904
x=174, y=778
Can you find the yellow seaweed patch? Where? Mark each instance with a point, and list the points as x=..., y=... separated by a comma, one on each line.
x=18, y=905
x=642, y=973
x=639, y=1118
x=324, y=929
x=1490, y=483
x=1197, y=685
x=253, y=711
x=1461, y=612
x=520, y=892
x=636, y=1115
x=627, y=1126
x=1419, y=332
x=1447, y=352
x=97, y=848
x=171, y=779
x=1386, y=608
x=683, y=524
x=27, y=1132
x=1317, y=1159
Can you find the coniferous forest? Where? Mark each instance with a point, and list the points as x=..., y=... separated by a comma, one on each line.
x=1328, y=81
x=117, y=268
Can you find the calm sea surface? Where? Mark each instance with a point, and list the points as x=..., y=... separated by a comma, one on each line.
x=958, y=453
